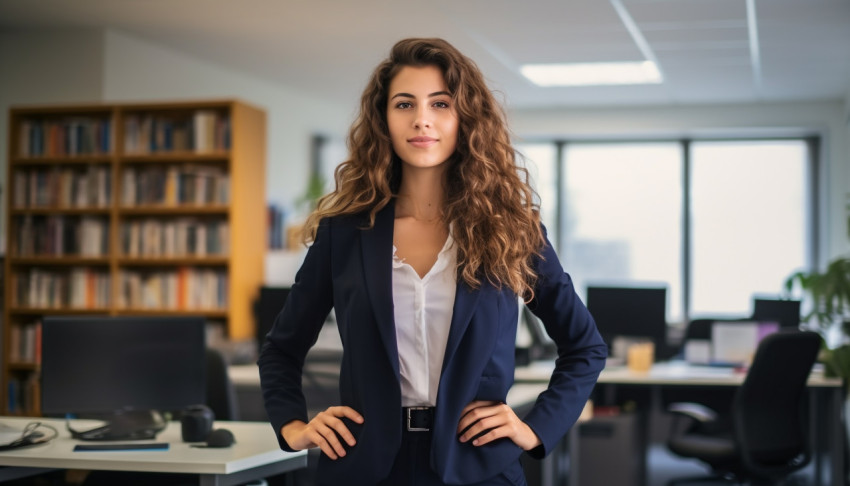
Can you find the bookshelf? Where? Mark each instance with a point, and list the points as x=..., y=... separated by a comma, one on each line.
x=130, y=209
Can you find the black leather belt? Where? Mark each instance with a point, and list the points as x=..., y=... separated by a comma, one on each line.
x=418, y=419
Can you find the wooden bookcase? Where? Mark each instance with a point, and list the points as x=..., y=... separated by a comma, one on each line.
x=130, y=209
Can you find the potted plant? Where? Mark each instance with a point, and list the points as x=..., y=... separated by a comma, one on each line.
x=829, y=295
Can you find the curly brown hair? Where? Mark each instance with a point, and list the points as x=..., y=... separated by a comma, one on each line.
x=489, y=202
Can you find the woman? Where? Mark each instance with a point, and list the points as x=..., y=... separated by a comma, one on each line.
x=422, y=249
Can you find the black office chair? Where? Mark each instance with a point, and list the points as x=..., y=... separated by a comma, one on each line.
x=221, y=396
x=765, y=437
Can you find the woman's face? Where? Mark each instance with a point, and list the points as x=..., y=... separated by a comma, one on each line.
x=422, y=120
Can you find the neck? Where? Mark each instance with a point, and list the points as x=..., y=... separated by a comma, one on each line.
x=421, y=194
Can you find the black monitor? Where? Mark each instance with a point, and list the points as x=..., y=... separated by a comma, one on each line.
x=785, y=312
x=118, y=365
x=630, y=312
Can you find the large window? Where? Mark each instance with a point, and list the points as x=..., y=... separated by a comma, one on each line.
x=748, y=224
x=716, y=222
x=623, y=214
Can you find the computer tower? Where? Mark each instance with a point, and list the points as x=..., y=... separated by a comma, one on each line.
x=610, y=450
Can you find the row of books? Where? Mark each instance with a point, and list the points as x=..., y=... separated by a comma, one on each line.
x=67, y=136
x=23, y=394
x=25, y=343
x=85, y=236
x=181, y=289
x=75, y=288
x=67, y=187
x=176, y=237
x=175, y=185
x=203, y=131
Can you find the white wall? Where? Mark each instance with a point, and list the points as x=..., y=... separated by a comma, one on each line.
x=40, y=67
x=826, y=118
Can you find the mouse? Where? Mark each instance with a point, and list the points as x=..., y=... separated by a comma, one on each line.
x=220, y=438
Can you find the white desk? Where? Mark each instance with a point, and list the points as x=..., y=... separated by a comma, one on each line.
x=680, y=374
x=256, y=454
x=673, y=373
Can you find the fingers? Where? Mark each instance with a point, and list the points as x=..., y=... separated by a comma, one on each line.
x=484, y=422
x=325, y=431
x=476, y=411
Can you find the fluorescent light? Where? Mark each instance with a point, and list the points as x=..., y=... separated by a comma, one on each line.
x=592, y=73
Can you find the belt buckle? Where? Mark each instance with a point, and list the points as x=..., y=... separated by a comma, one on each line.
x=410, y=416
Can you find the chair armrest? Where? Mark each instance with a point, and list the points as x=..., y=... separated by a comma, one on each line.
x=698, y=412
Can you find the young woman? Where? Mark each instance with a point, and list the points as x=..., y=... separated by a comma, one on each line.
x=423, y=249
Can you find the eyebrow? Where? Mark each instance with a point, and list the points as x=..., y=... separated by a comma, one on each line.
x=408, y=95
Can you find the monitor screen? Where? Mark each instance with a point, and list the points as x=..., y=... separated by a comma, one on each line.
x=630, y=312
x=108, y=364
x=784, y=312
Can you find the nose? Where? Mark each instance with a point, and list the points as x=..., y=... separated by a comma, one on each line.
x=422, y=120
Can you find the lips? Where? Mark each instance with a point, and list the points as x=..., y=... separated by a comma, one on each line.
x=422, y=142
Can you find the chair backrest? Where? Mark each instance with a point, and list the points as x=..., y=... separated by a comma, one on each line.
x=221, y=396
x=266, y=308
x=771, y=430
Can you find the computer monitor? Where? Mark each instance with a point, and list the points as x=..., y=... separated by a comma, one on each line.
x=110, y=365
x=638, y=312
x=785, y=312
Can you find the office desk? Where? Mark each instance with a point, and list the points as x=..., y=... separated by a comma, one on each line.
x=256, y=454
x=826, y=392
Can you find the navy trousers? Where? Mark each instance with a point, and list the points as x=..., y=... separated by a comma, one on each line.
x=412, y=466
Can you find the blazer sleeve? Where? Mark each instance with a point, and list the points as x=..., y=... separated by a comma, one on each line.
x=294, y=332
x=581, y=352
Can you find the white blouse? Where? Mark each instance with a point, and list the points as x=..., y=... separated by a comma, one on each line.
x=422, y=309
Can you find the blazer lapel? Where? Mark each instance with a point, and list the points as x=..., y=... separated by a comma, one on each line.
x=466, y=299
x=377, y=267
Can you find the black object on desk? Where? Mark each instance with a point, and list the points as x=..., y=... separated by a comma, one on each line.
x=136, y=446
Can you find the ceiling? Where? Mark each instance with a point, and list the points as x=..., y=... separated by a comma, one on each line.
x=709, y=51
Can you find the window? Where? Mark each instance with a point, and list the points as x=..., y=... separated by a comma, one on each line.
x=748, y=221
x=730, y=228
x=540, y=161
x=623, y=207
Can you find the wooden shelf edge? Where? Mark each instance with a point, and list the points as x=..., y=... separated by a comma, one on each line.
x=218, y=209
x=38, y=311
x=181, y=156
x=172, y=261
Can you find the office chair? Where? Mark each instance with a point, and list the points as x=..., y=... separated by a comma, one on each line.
x=765, y=437
x=221, y=395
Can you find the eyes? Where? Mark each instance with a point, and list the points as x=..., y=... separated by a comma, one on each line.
x=406, y=105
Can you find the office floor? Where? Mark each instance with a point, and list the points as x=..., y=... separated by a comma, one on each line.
x=664, y=466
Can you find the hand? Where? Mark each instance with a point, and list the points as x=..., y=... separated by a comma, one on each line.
x=323, y=431
x=495, y=420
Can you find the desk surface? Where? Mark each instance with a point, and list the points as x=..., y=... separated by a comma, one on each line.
x=256, y=446
x=668, y=373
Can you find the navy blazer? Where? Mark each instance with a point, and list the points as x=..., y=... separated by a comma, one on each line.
x=350, y=269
